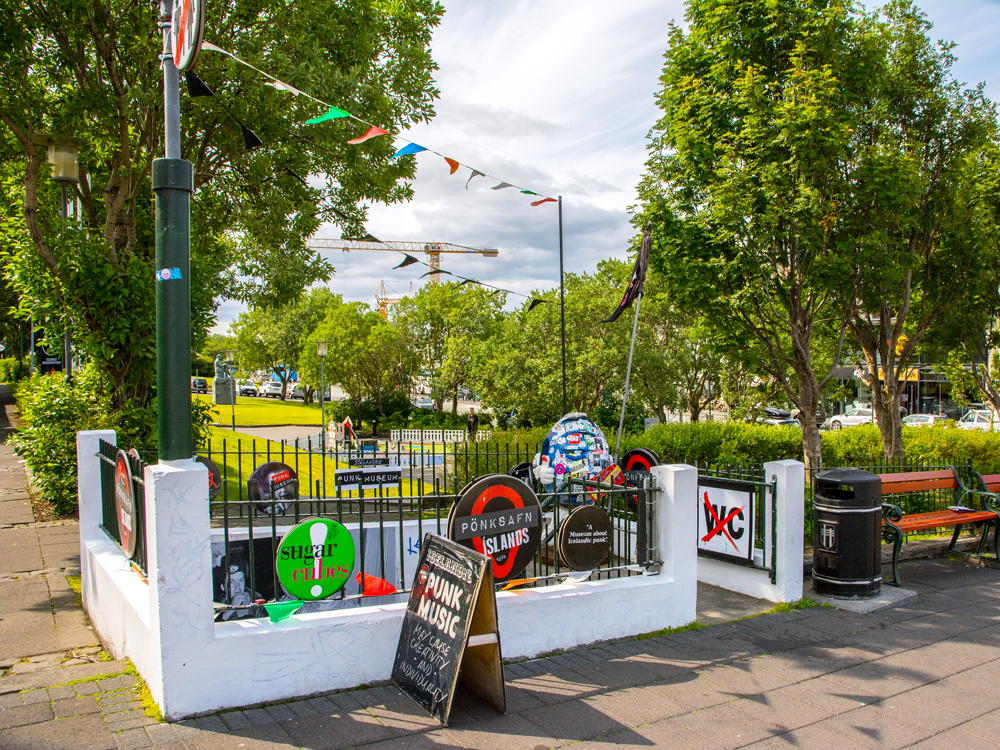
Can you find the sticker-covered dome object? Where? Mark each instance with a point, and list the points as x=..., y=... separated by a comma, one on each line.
x=575, y=447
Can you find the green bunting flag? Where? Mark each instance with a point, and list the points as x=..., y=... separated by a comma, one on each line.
x=333, y=114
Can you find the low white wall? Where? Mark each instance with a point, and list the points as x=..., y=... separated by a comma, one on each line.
x=790, y=497
x=193, y=665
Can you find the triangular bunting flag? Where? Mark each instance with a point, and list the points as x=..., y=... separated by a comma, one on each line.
x=535, y=303
x=373, y=132
x=475, y=173
x=463, y=282
x=333, y=114
x=438, y=270
x=543, y=200
x=282, y=86
x=195, y=86
x=293, y=173
x=501, y=186
x=409, y=148
x=250, y=139
x=409, y=260
x=528, y=192
x=453, y=164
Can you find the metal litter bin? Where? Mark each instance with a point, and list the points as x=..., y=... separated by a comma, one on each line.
x=847, y=534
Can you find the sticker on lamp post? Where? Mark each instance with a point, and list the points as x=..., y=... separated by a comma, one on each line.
x=315, y=559
x=125, y=504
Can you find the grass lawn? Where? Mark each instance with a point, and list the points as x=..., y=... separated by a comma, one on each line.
x=251, y=412
x=244, y=452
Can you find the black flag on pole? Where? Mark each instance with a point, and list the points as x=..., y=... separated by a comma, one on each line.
x=634, y=288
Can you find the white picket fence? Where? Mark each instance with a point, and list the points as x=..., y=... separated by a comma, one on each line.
x=434, y=436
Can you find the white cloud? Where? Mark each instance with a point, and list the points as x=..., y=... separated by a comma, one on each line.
x=557, y=97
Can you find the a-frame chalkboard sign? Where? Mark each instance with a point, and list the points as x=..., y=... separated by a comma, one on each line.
x=450, y=632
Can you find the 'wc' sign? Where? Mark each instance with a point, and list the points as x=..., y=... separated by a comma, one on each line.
x=726, y=519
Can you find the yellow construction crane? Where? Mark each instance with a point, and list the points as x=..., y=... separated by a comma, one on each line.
x=433, y=250
x=384, y=300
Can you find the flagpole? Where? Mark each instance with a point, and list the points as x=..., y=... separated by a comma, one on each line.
x=628, y=375
x=562, y=306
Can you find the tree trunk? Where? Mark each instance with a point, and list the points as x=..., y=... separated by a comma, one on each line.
x=885, y=401
x=812, y=447
x=454, y=402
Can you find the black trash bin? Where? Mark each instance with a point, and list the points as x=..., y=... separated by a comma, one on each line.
x=847, y=533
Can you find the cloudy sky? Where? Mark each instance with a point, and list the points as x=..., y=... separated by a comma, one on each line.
x=558, y=97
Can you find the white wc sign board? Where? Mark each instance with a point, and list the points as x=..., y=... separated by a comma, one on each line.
x=726, y=520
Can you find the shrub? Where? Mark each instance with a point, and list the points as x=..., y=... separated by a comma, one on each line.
x=709, y=442
x=12, y=370
x=51, y=414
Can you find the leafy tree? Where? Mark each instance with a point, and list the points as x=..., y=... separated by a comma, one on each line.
x=93, y=71
x=519, y=371
x=748, y=170
x=918, y=161
x=271, y=339
x=444, y=321
x=369, y=357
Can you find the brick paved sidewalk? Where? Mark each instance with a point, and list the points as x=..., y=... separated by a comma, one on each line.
x=921, y=675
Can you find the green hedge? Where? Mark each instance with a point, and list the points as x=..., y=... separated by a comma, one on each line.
x=944, y=444
x=12, y=370
x=711, y=442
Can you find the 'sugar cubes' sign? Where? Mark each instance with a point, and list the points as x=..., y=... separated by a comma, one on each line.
x=726, y=519
x=315, y=559
x=449, y=631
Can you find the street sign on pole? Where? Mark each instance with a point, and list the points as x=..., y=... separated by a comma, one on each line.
x=187, y=30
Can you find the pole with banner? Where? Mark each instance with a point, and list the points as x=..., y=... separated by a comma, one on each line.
x=183, y=25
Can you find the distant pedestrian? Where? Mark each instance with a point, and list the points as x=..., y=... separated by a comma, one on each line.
x=472, y=425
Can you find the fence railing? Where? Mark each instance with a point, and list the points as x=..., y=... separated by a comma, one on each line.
x=388, y=521
x=108, y=455
x=435, y=436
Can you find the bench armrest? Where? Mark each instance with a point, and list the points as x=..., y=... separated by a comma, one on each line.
x=891, y=513
x=988, y=500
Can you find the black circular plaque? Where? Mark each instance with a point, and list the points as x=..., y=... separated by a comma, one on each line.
x=214, y=477
x=498, y=516
x=584, y=538
x=640, y=459
x=125, y=504
x=284, y=480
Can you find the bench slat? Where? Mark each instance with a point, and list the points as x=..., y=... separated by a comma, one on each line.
x=938, y=518
x=992, y=482
x=898, y=488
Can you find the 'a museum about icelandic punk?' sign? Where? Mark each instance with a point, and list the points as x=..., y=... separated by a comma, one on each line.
x=726, y=520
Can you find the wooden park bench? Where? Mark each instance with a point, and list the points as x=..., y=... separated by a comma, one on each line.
x=896, y=523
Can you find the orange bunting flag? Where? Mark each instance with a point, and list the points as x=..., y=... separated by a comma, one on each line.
x=453, y=164
x=373, y=133
x=543, y=200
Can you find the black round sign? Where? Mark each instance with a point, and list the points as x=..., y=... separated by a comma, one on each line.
x=584, y=538
x=214, y=477
x=125, y=504
x=498, y=516
x=282, y=478
x=640, y=459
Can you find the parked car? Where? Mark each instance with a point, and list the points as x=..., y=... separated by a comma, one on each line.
x=297, y=392
x=782, y=422
x=979, y=419
x=923, y=420
x=199, y=385
x=271, y=389
x=248, y=388
x=851, y=418
x=422, y=403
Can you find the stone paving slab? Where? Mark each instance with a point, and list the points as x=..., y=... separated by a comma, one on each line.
x=19, y=550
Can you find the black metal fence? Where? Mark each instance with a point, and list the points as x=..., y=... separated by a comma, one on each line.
x=108, y=455
x=389, y=520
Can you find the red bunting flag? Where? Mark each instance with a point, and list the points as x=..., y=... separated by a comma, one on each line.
x=543, y=200
x=373, y=133
x=453, y=164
